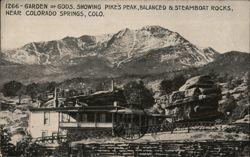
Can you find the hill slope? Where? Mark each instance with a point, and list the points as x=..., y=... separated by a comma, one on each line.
x=233, y=63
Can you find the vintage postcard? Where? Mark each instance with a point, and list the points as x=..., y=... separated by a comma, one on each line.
x=114, y=78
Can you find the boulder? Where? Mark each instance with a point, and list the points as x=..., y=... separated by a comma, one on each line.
x=198, y=81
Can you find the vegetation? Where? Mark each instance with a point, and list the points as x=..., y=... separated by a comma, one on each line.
x=137, y=94
x=62, y=150
x=6, y=146
x=247, y=75
x=24, y=147
x=12, y=88
x=32, y=90
x=168, y=86
x=228, y=105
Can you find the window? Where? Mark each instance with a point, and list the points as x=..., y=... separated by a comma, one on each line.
x=44, y=134
x=65, y=118
x=46, y=118
x=102, y=118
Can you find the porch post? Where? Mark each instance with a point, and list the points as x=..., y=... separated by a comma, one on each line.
x=112, y=124
x=95, y=119
x=132, y=117
x=59, y=120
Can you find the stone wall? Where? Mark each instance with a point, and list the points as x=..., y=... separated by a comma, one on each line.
x=164, y=149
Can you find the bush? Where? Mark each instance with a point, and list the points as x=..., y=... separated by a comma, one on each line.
x=228, y=105
x=6, y=147
x=239, y=112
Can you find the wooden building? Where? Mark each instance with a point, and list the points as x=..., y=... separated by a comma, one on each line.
x=98, y=111
x=50, y=121
x=61, y=120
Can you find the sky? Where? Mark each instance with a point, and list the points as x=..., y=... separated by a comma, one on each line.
x=222, y=30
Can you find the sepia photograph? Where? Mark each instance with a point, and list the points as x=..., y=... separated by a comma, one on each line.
x=116, y=78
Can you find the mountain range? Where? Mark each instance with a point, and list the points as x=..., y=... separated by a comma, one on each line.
x=119, y=48
x=148, y=50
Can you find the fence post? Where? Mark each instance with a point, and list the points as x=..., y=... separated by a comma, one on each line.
x=69, y=152
x=172, y=127
x=135, y=155
x=80, y=151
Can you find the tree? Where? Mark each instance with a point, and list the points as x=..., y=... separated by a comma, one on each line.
x=228, y=105
x=32, y=90
x=138, y=95
x=6, y=147
x=23, y=145
x=171, y=85
x=178, y=81
x=51, y=86
x=11, y=88
x=166, y=86
x=20, y=93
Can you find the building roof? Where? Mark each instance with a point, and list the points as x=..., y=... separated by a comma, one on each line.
x=103, y=97
x=129, y=111
x=75, y=109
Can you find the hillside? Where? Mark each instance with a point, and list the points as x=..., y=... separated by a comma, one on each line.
x=231, y=63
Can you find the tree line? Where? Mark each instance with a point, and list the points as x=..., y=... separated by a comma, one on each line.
x=135, y=92
x=15, y=88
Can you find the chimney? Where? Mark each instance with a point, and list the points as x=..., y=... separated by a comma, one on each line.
x=55, y=98
x=112, y=85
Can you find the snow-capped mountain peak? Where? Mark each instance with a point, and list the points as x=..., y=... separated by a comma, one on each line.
x=118, y=49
